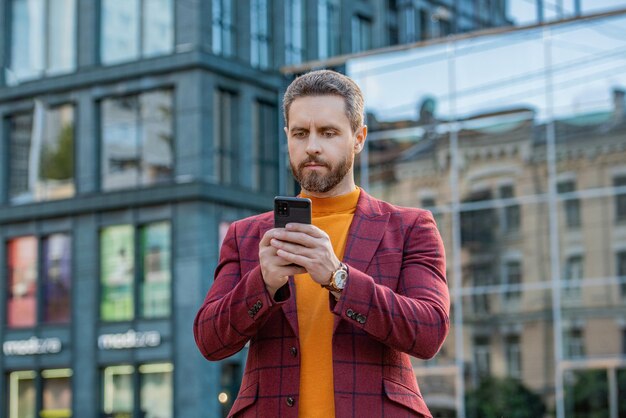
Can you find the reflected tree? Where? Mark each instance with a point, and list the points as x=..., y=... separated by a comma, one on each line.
x=57, y=162
x=496, y=398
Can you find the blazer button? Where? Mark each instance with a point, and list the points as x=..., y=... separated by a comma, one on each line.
x=251, y=313
x=350, y=313
x=294, y=351
x=291, y=401
x=360, y=319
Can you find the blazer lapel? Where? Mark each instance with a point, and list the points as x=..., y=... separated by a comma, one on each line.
x=364, y=236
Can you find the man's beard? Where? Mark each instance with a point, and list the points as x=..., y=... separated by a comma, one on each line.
x=316, y=182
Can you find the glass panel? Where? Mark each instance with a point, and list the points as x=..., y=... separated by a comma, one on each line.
x=225, y=149
x=293, y=32
x=118, y=270
x=56, y=166
x=22, y=394
x=500, y=110
x=156, y=253
x=598, y=6
x=407, y=153
x=21, y=173
x=586, y=393
x=439, y=390
x=22, y=293
x=119, y=39
x=157, y=390
x=589, y=87
x=621, y=387
x=57, y=278
x=61, y=36
x=57, y=394
x=27, y=47
x=508, y=349
x=265, y=148
x=592, y=318
x=120, y=143
x=118, y=389
x=259, y=32
x=158, y=27
x=156, y=136
x=42, y=154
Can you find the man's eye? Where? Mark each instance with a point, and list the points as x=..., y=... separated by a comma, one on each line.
x=299, y=134
x=329, y=134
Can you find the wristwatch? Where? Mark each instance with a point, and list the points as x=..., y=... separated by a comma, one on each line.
x=338, y=279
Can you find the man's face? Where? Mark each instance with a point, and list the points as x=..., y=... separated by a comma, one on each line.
x=321, y=144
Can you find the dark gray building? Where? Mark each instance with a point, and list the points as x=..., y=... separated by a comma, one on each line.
x=132, y=133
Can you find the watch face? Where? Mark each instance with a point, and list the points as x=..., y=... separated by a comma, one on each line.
x=340, y=279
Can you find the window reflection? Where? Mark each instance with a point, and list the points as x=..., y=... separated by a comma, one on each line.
x=137, y=140
x=41, y=166
x=133, y=29
x=22, y=292
x=43, y=39
x=57, y=278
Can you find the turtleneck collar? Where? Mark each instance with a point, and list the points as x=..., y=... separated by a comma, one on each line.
x=345, y=203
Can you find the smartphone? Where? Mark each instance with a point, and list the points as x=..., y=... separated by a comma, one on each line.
x=291, y=210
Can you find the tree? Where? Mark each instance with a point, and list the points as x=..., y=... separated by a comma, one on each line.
x=496, y=398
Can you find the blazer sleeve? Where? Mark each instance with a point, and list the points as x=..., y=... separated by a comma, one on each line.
x=235, y=306
x=414, y=318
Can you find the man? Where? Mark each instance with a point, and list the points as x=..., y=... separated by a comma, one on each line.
x=340, y=350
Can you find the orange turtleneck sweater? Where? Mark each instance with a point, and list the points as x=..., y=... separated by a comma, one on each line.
x=315, y=320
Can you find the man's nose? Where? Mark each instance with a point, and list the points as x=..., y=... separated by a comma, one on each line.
x=313, y=145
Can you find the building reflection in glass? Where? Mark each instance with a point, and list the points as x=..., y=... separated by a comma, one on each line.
x=517, y=144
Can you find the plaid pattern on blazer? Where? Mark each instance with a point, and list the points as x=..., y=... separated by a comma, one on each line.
x=395, y=304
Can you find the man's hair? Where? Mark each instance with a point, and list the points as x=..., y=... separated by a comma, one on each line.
x=324, y=83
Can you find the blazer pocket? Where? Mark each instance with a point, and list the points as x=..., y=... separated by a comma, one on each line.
x=404, y=396
x=245, y=398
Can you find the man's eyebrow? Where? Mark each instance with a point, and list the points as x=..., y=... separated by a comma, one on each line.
x=329, y=127
x=298, y=128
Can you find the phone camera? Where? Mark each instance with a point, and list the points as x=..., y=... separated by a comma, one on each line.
x=283, y=209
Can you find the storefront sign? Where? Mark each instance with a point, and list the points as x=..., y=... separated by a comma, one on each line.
x=31, y=346
x=129, y=339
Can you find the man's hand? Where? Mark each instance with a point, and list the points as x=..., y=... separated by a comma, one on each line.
x=309, y=247
x=275, y=270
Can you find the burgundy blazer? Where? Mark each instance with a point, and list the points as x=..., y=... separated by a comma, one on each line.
x=395, y=305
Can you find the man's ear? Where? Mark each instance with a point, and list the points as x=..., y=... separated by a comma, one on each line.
x=286, y=131
x=361, y=134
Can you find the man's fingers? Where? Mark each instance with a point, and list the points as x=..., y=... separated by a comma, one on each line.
x=294, y=258
x=267, y=237
x=290, y=247
x=308, y=229
x=300, y=238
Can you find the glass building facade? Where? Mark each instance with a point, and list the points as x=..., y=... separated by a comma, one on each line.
x=517, y=144
x=132, y=133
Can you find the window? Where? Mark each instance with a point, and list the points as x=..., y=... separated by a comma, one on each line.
x=571, y=204
x=620, y=199
x=55, y=397
x=294, y=35
x=155, y=253
x=265, y=148
x=511, y=215
x=482, y=357
x=407, y=14
x=137, y=140
x=574, y=344
x=155, y=390
x=260, y=34
x=57, y=278
x=513, y=355
x=225, y=149
x=574, y=271
x=43, y=39
x=41, y=148
x=117, y=264
x=392, y=25
x=134, y=29
x=224, y=27
x=481, y=276
x=22, y=293
x=329, y=29
x=120, y=272
x=24, y=289
x=621, y=271
x=361, y=34
x=424, y=25
x=230, y=381
x=513, y=279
